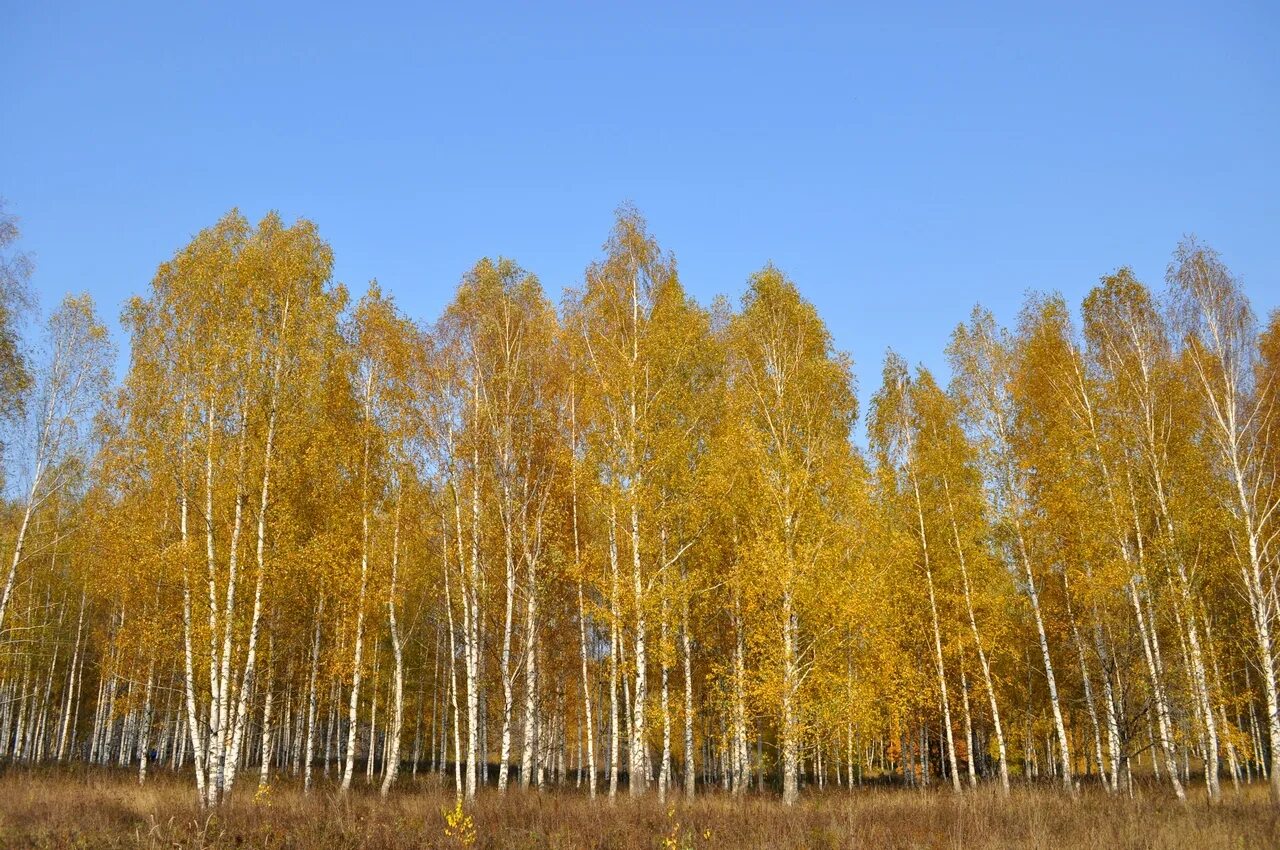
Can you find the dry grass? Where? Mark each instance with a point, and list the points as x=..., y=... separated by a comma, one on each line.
x=100, y=809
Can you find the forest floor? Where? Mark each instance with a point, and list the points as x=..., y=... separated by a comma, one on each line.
x=101, y=809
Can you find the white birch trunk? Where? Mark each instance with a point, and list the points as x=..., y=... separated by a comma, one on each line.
x=531, y=718
x=1064, y=748
x=638, y=778
x=615, y=643
x=983, y=662
x=739, y=782
x=264, y=775
x=309, y=756
x=939, y=664
x=690, y=775
x=392, y=766
x=508, y=676
x=789, y=735
x=1157, y=691
x=968, y=728
x=68, y=702
x=453, y=679
x=357, y=656
x=144, y=739
x=664, y=773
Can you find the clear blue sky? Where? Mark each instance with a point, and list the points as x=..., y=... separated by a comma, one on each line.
x=900, y=162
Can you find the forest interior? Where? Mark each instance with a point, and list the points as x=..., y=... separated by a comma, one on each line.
x=619, y=571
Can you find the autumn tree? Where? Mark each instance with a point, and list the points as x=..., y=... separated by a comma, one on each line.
x=1220, y=342
x=632, y=538
x=70, y=378
x=623, y=323
x=220, y=348
x=982, y=362
x=794, y=395
x=15, y=304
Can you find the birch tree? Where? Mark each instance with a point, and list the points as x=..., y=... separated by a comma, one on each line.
x=794, y=395
x=71, y=377
x=616, y=323
x=217, y=346
x=1220, y=344
x=981, y=362
x=15, y=306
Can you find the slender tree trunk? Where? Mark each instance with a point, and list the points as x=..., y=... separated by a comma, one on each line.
x=357, y=658
x=68, y=703
x=213, y=782
x=268, y=702
x=983, y=662
x=531, y=714
x=789, y=733
x=309, y=757
x=615, y=643
x=739, y=697
x=1064, y=747
x=971, y=762
x=453, y=677
x=638, y=778
x=588, y=732
x=1085, y=679
x=1158, y=693
x=664, y=774
x=251, y=655
x=189, y=681
x=939, y=664
x=371, y=756
x=471, y=617
x=690, y=775
x=504, y=764
x=227, y=754
x=392, y=765
x=144, y=741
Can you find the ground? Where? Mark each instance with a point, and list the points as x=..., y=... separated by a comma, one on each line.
x=104, y=809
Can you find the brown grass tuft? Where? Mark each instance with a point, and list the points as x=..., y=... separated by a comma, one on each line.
x=101, y=809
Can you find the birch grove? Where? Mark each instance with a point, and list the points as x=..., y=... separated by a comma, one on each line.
x=632, y=544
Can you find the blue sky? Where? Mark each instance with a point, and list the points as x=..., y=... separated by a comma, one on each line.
x=899, y=161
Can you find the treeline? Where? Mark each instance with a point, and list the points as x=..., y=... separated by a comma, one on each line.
x=628, y=541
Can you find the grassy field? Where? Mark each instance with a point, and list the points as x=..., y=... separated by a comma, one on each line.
x=51, y=809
